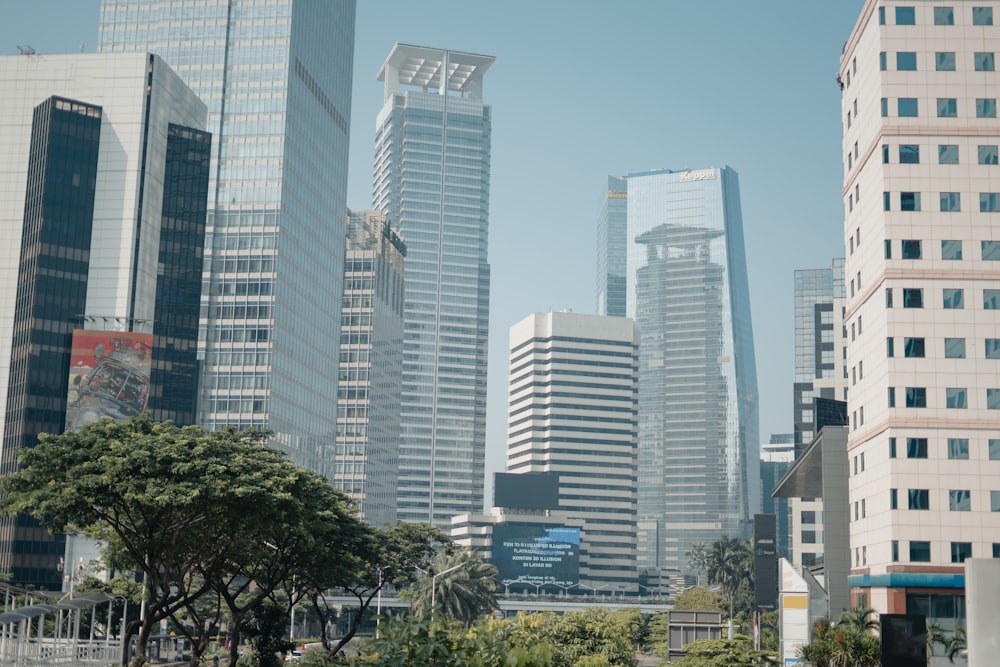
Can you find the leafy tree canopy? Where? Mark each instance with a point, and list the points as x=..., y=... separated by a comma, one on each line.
x=700, y=598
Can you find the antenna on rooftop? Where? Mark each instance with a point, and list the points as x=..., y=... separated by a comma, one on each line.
x=26, y=50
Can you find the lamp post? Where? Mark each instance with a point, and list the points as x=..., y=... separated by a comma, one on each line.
x=434, y=584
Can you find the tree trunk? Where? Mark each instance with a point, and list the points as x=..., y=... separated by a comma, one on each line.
x=141, y=643
x=234, y=641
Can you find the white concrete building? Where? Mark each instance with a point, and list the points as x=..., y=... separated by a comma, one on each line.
x=922, y=233
x=573, y=410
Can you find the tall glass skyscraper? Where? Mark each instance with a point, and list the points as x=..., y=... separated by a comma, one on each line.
x=432, y=177
x=686, y=285
x=612, y=239
x=276, y=77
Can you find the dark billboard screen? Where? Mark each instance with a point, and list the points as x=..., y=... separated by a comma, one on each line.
x=904, y=640
x=529, y=490
x=765, y=561
x=536, y=554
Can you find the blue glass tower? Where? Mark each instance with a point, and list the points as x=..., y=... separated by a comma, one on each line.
x=686, y=285
x=432, y=177
x=612, y=239
x=276, y=77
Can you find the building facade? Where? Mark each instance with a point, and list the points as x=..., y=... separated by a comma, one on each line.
x=686, y=286
x=923, y=305
x=820, y=372
x=276, y=78
x=776, y=456
x=612, y=240
x=103, y=220
x=432, y=178
x=573, y=410
x=369, y=377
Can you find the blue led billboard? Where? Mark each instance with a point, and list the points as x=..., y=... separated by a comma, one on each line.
x=536, y=554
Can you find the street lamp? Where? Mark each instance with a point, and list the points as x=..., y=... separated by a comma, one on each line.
x=434, y=584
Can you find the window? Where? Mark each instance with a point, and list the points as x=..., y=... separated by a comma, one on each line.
x=944, y=16
x=909, y=201
x=909, y=154
x=951, y=202
x=953, y=299
x=895, y=551
x=916, y=448
x=892, y=448
x=907, y=107
x=913, y=347
x=885, y=107
x=960, y=501
x=982, y=16
x=951, y=250
x=890, y=347
x=944, y=61
x=918, y=499
x=991, y=299
x=910, y=249
x=995, y=502
x=958, y=448
x=881, y=15
x=913, y=297
x=991, y=251
x=994, y=449
x=920, y=552
x=955, y=398
x=916, y=397
x=905, y=16
x=954, y=348
x=993, y=348
x=993, y=399
x=906, y=61
x=983, y=61
x=893, y=499
x=947, y=107
x=948, y=154
x=885, y=153
x=892, y=397
x=888, y=249
x=986, y=107
x=987, y=154
x=888, y=297
x=885, y=201
x=989, y=202
x=882, y=62
x=960, y=551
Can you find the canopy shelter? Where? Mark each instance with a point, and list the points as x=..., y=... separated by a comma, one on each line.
x=42, y=634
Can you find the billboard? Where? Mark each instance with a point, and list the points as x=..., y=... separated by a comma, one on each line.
x=765, y=561
x=536, y=553
x=527, y=490
x=108, y=376
x=904, y=640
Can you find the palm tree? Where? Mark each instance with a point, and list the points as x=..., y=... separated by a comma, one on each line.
x=697, y=559
x=860, y=619
x=464, y=591
x=956, y=643
x=729, y=562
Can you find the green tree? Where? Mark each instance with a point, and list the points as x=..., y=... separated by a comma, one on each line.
x=860, y=619
x=730, y=564
x=659, y=634
x=818, y=652
x=700, y=598
x=464, y=591
x=593, y=637
x=956, y=644
x=843, y=645
x=736, y=652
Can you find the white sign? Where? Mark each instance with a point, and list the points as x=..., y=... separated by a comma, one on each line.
x=700, y=175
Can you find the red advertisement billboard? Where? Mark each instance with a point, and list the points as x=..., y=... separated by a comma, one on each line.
x=108, y=376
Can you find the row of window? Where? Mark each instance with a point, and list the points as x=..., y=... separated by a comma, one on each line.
x=955, y=397
x=920, y=551
x=989, y=202
x=947, y=153
x=946, y=107
x=944, y=61
x=954, y=348
x=951, y=249
x=957, y=449
x=952, y=298
x=942, y=16
x=959, y=500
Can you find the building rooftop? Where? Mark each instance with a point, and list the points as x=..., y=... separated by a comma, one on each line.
x=424, y=67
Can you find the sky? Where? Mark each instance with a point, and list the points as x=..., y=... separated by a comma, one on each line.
x=583, y=89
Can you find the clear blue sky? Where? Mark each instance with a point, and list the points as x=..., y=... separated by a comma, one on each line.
x=581, y=90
